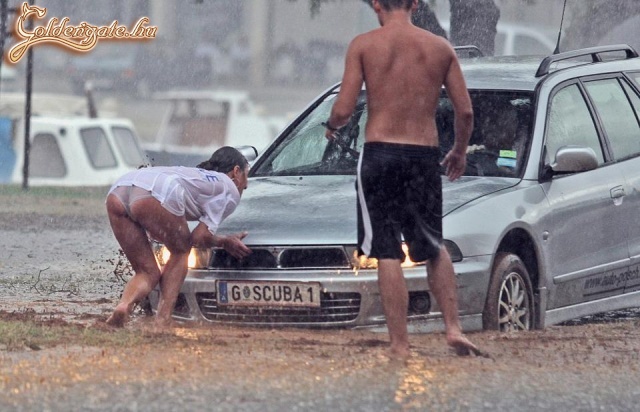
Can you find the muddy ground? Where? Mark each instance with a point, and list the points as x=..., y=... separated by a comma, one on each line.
x=60, y=268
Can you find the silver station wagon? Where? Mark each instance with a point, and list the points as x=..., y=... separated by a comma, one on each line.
x=543, y=227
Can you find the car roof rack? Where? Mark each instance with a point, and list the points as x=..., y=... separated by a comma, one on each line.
x=469, y=51
x=594, y=52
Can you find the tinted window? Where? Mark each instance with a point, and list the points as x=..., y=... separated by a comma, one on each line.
x=128, y=146
x=97, y=147
x=500, y=137
x=570, y=123
x=45, y=158
x=617, y=116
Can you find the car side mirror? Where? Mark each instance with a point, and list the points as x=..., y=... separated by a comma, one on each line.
x=574, y=159
x=249, y=152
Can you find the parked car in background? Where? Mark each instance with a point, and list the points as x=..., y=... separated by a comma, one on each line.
x=514, y=39
x=543, y=227
x=197, y=123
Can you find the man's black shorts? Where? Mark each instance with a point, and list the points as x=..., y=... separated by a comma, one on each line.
x=399, y=193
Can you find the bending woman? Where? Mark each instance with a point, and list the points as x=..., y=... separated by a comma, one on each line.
x=157, y=202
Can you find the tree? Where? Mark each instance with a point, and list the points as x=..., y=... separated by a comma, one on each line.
x=472, y=21
x=593, y=19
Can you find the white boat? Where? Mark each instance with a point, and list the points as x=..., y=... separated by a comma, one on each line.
x=67, y=147
x=199, y=122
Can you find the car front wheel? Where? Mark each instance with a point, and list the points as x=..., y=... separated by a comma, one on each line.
x=509, y=305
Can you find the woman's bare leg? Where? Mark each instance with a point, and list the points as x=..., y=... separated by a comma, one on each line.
x=133, y=240
x=173, y=232
x=170, y=284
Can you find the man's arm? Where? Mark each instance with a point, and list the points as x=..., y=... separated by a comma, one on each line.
x=455, y=161
x=349, y=89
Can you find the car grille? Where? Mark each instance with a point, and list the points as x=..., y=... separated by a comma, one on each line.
x=284, y=258
x=334, y=308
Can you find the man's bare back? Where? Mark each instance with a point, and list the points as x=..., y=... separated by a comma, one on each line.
x=404, y=68
x=403, y=84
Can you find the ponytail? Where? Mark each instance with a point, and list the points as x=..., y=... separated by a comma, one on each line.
x=224, y=160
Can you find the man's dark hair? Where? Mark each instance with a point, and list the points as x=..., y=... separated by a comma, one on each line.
x=396, y=4
x=224, y=160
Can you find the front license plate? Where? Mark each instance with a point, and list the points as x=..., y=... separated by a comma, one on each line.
x=274, y=294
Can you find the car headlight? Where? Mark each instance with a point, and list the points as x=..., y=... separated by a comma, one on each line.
x=198, y=258
x=364, y=262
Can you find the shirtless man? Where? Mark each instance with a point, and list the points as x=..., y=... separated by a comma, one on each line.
x=399, y=186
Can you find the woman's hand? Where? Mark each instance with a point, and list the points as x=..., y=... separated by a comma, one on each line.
x=201, y=237
x=234, y=246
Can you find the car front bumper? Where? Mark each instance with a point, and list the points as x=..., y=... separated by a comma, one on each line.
x=348, y=298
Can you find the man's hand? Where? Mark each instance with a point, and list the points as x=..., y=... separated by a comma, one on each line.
x=454, y=163
x=233, y=244
x=330, y=135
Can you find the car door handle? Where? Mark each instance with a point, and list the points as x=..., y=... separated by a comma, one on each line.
x=617, y=192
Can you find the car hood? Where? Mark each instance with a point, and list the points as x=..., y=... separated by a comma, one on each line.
x=315, y=210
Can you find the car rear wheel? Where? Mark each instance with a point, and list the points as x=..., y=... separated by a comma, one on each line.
x=509, y=304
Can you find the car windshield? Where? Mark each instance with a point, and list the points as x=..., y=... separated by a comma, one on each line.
x=498, y=145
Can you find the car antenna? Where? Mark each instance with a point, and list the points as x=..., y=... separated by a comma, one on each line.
x=557, y=50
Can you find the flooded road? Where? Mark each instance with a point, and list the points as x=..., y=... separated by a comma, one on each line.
x=60, y=263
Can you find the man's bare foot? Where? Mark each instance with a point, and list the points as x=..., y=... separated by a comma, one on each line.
x=398, y=354
x=463, y=346
x=162, y=324
x=118, y=318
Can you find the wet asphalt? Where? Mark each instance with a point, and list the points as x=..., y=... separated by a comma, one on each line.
x=59, y=259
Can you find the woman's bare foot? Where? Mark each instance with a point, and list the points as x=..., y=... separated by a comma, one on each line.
x=118, y=318
x=463, y=346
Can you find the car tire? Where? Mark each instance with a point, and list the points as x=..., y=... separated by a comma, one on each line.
x=509, y=306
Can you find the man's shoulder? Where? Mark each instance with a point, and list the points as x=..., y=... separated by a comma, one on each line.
x=434, y=40
x=366, y=37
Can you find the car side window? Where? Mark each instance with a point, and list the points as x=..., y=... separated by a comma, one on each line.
x=570, y=123
x=618, y=118
x=635, y=76
x=635, y=99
